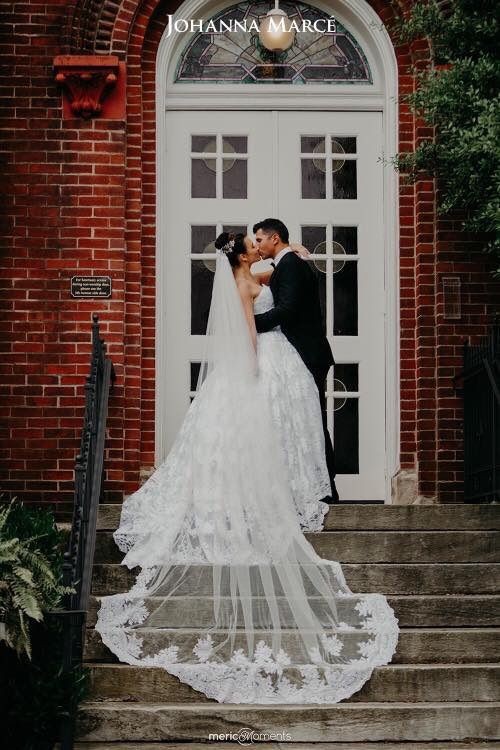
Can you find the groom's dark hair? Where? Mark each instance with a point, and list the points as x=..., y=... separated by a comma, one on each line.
x=269, y=226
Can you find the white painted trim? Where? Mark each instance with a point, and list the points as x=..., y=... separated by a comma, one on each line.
x=276, y=99
x=365, y=25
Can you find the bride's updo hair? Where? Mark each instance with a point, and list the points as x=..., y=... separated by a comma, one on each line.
x=233, y=245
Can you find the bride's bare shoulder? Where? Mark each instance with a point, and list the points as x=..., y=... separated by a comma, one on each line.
x=247, y=289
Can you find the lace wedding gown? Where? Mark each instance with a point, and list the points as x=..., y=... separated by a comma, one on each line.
x=232, y=598
x=290, y=390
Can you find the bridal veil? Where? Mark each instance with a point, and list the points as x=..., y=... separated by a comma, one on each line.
x=231, y=597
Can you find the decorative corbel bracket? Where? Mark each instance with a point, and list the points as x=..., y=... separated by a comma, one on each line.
x=87, y=82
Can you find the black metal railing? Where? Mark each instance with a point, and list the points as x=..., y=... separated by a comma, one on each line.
x=89, y=471
x=481, y=394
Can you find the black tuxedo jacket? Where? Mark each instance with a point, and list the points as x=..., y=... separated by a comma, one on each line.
x=297, y=310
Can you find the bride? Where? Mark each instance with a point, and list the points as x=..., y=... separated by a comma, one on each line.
x=231, y=598
x=290, y=390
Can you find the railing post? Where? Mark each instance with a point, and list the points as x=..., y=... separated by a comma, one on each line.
x=481, y=408
x=89, y=476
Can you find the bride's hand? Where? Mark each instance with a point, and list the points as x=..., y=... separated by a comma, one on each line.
x=300, y=250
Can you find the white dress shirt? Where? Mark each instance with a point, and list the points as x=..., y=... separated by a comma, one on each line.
x=281, y=253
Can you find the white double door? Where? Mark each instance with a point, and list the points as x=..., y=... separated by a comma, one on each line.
x=318, y=172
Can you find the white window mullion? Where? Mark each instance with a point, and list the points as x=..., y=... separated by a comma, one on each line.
x=329, y=318
x=218, y=166
x=329, y=167
x=275, y=164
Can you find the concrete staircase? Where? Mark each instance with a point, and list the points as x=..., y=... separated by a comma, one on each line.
x=439, y=567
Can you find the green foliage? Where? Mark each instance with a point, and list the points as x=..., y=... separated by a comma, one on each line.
x=34, y=692
x=29, y=584
x=461, y=100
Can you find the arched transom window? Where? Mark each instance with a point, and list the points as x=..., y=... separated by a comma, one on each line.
x=237, y=56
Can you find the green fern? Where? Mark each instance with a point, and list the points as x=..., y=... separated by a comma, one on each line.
x=28, y=585
x=8, y=549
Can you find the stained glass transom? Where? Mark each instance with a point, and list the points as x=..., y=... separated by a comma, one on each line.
x=237, y=56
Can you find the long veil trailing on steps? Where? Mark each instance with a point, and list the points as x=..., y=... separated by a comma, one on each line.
x=232, y=598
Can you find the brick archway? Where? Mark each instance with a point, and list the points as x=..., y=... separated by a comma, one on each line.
x=132, y=31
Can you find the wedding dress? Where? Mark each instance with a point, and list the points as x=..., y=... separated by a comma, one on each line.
x=232, y=598
x=292, y=394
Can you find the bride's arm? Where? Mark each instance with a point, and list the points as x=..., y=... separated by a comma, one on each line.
x=245, y=291
x=300, y=250
x=264, y=277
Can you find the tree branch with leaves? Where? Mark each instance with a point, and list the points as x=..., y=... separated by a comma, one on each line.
x=459, y=96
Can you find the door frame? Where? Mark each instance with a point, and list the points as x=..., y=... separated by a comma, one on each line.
x=362, y=21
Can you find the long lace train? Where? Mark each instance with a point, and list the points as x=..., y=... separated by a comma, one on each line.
x=232, y=598
x=237, y=648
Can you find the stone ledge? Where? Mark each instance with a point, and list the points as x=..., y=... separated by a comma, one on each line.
x=341, y=722
x=415, y=646
x=289, y=746
x=364, y=516
x=421, y=683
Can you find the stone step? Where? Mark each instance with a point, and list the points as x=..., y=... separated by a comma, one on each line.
x=411, y=611
x=390, y=684
x=286, y=746
x=415, y=646
x=375, y=546
x=432, y=578
x=341, y=722
x=359, y=516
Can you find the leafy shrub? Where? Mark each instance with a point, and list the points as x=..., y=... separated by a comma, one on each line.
x=29, y=578
x=459, y=95
x=34, y=692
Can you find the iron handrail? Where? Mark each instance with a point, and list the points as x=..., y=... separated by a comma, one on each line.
x=480, y=378
x=79, y=557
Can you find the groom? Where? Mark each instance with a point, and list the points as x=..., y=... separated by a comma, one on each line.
x=297, y=310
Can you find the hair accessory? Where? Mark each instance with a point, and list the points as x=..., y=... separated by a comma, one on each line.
x=228, y=246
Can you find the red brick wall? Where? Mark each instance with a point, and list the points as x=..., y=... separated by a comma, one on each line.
x=80, y=198
x=63, y=209
x=458, y=254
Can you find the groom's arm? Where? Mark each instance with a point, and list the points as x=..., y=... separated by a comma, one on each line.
x=287, y=303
